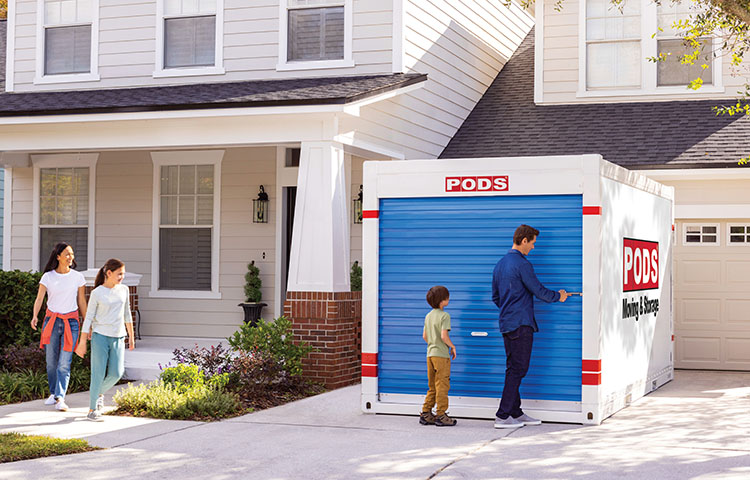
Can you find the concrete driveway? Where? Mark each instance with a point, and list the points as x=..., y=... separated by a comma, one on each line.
x=695, y=427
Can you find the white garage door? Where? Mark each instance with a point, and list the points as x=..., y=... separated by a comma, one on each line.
x=712, y=294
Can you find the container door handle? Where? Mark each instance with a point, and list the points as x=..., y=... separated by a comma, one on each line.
x=478, y=334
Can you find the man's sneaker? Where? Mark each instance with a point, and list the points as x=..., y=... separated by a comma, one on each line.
x=445, y=421
x=427, y=418
x=61, y=405
x=50, y=400
x=100, y=403
x=527, y=420
x=95, y=416
x=509, y=422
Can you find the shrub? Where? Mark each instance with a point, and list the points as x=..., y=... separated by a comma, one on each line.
x=17, y=294
x=274, y=338
x=159, y=399
x=22, y=386
x=213, y=361
x=252, y=283
x=17, y=358
x=355, y=277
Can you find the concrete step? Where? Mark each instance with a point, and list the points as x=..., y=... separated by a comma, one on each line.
x=151, y=354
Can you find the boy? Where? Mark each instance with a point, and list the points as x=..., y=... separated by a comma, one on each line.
x=437, y=324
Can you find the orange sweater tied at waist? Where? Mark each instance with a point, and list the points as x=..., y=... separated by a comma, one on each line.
x=67, y=335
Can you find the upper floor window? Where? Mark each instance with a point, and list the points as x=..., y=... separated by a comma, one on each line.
x=619, y=40
x=315, y=34
x=67, y=36
x=189, y=33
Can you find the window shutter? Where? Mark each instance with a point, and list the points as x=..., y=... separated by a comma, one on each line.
x=185, y=259
x=189, y=42
x=67, y=50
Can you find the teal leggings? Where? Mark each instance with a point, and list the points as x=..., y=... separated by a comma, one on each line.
x=107, y=357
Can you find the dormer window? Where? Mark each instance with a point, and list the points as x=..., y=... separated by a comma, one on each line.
x=613, y=44
x=67, y=36
x=670, y=44
x=189, y=33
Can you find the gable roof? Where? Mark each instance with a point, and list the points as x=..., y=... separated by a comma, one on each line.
x=257, y=93
x=645, y=135
x=3, y=40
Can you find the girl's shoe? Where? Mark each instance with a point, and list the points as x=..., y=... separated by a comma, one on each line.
x=94, y=416
x=445, y=421
x=50, y=400
x=61, y=405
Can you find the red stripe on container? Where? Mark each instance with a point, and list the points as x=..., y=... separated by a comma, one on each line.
x=369, y=370
x=370, y=214
x=673, y=227
x=369, y=358
x=592, y=210
x=592, y=365
x=591, y=379
x=673, y=338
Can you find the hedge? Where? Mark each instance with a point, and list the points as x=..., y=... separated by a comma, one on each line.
x=17, y=294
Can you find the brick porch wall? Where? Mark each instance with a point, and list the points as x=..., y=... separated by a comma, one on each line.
x=332, y=323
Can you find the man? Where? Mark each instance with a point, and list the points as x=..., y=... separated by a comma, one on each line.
x=513, y=285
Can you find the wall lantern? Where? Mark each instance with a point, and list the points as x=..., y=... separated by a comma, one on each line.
x=260, y=207
x=357, y=207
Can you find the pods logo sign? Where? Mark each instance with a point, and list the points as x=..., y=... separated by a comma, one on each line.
x=640, y=265
x=477, y=184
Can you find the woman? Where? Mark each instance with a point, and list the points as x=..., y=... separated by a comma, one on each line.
x=65, y=290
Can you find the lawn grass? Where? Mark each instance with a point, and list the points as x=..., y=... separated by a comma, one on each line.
x=15, y=447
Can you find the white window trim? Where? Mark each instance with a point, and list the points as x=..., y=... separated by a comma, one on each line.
x=216, y=69
x=285, y=65
x=196, y=157
x=648, y=69
x=63, y=160
x=729, y=228
x=92, y=76
x=7, y=215
x=685, y=243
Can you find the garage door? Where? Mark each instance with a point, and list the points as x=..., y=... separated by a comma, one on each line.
x=712, y=295
x=456, y=242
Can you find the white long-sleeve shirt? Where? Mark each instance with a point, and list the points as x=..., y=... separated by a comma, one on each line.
x=108, y=311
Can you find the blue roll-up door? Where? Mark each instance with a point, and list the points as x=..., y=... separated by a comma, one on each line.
x=456, y=242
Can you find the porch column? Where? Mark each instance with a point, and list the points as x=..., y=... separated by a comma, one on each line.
x=323, y=311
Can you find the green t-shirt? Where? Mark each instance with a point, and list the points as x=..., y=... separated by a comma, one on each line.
x=434, y=323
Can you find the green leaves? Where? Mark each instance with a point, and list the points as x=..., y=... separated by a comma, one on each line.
x=253, y=283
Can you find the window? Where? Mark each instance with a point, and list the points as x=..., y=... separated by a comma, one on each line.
x=618, y=41
x=64, y=212
x=68, y=28
x=670, y=72
x=701, y=234
x=185, y=238
x=316, y=30
x=613, y=44
x=738, y=234
x=315, y=34
x=189, y=33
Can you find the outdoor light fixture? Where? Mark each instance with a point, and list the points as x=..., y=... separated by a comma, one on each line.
x=260, y=207
x=357, y=207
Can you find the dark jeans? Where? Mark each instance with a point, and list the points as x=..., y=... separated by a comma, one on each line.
x=518, y=345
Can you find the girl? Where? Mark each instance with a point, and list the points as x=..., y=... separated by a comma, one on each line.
x=106, y=322
x=65, y=290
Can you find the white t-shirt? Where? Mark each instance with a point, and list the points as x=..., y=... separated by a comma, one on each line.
x=62, y=290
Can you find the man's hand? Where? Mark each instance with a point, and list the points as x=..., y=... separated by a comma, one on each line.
x=563, y=295
x=453, y=352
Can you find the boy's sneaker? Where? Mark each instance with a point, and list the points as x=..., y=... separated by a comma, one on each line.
x=427, y=418
x=95, y=416
x=445, y=421
x=100, y=403
x=50, y=400
x=527, y=420
x=509, y=422
x=61, y=405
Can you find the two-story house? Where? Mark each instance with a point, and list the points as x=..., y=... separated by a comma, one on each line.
x=581, y=82
x=145, y=131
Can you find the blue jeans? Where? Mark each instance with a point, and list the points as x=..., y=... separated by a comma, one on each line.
x=518, y=345
x=58, y=360
x=107, y=364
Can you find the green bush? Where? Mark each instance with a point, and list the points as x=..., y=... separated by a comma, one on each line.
x=159, y=399
x=274, y=338
x=355, y=277
x=22, y=386
x=252, y=283
x=17, y=294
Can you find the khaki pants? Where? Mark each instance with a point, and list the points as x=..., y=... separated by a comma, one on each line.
x=439, y=381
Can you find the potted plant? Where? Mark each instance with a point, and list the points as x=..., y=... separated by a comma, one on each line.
x=252, y=306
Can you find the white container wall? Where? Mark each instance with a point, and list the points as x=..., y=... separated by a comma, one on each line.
x=604, y=231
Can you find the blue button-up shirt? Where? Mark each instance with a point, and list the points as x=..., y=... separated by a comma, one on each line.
x=513, y=284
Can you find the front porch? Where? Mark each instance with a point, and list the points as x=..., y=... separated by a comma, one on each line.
x=151, y=354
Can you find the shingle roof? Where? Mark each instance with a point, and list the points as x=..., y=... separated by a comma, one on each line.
x=258, y=93
x=676, y=134
x=3, y=33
